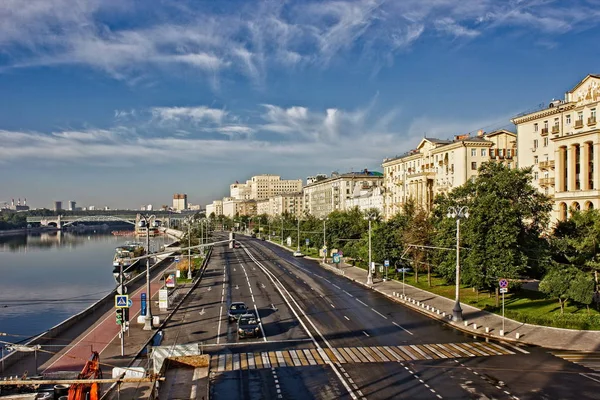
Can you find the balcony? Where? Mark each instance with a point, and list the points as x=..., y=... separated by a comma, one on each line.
x=578, y=123
x=546, y=164
x=555, y=129
x=414, y=174
x=547, y=182
x=544, y=131
x=592, y=121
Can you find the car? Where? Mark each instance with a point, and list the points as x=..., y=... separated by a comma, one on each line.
x=404, y=269
x=236, y=245
x=262, y=238
x=248, y=326
x=237, y=309
x=298, y=253
x=254, y=235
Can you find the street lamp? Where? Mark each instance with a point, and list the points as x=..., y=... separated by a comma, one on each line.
x=298, y=235
x=188, y=221
x=324, y=241
x=457, y=213
x=370, y=217
x=148, y=320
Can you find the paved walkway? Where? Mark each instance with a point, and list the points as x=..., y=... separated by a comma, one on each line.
x=475, y=320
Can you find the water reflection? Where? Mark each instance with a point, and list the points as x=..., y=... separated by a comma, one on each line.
x=48, y=277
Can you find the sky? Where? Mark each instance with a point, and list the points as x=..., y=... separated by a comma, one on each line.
x=126, y=102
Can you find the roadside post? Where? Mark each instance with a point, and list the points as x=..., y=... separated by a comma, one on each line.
x=503, y=283
x=121, y=302
x=386, y=264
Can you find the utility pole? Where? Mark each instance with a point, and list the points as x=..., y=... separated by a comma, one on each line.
x=298, y=234
x=148, y=319
x=189, y=276
x=121, y=310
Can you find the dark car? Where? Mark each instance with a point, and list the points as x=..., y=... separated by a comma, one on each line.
x=254, y=235
x=248, y=326
x=236, y=310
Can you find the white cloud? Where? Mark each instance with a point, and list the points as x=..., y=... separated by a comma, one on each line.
x=258, y=35
x=193, y=114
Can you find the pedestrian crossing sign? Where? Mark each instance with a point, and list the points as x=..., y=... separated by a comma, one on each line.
x=122, y=301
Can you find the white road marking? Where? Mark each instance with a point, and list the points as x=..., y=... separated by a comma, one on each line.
x=347, y=318
x=219, y=329
x=332, y=305
x=362, y=303
x=336, y=286
x=348, y=294
x=379, y=313
x=401, y=327
x=366, y=333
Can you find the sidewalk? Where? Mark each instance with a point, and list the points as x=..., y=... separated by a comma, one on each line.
x=475, y=320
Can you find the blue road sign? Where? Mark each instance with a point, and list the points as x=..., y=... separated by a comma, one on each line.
x=307, y=242
x=386, y=263
x=121, y=301
x=143, y=304
x=503, y=283
x=129, y=303
x=336, y=258
x=176, y=259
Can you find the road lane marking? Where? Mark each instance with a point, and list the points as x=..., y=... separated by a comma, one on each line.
x=362, y=303
x=332, y=305
x=336, y=286
x=347, y=318
x=348, y=294
x=379, y=313
x=366, y=334
x=403, y=328
x=220, y=320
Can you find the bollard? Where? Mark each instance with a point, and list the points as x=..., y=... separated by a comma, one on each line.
x=517, y=335
x=437, y=311
x=427, y=307
x=475, y=326
x=487, y=329
x=501, y=332
x=444, y=314
x=466, y=323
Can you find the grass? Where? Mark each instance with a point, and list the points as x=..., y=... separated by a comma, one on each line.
x=521, y=305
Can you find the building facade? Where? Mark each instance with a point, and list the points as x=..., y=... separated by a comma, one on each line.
x=215, y=207
x=235, y=207
x=180, y=202
x=366, y=198
x=438, y=166
x=561, y=145
x=328, y=195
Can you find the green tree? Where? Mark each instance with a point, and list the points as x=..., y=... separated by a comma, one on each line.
x=557, y=284
x=581, y=289
x=418, y=232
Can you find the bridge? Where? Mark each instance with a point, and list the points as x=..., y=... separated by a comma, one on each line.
x=61, y=221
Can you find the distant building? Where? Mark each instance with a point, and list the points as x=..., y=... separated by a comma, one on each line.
x=72, y=205
x=149, y=207
x=327, y=195
x=215, y=207
x=180, y=202
x=261, y=187
x=195, y=207
x=19, y=206
x=57, y=205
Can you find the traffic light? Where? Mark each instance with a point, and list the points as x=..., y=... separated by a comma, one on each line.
x=119, y=316
x=125, y=314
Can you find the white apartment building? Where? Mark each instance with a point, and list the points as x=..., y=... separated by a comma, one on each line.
x=437, y=166
x=290, y=203
x=561, y=143
x=262, y=187
x=328, y=195
x=215, y=207
x=367, y=198
x=180, y=202
x=234, y=207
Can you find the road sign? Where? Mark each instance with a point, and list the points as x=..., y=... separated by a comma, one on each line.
x=129, y=303
x=386, y=263
x=170, y=281
x=336, y=258
x=143, y=301
x=503, y=283
x=503, y=290
x=121, y=301
x=176, y=259
x=307, y=241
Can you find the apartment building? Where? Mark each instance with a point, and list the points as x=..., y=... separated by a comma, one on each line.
x=325, y=196
x=262, y=187
x=367, y=198
x=438, y=166
x=560, y=143
x=180, y=202
x=235, y=207
x=215, y=207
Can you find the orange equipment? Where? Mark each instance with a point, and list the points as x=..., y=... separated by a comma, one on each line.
x=91, y=370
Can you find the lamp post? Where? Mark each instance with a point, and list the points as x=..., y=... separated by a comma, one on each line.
x=188, y=221
x=282, y=229
x=457, y=213
x=324, y=241
x=148, y=320
x=298, y=234
x=370, y=217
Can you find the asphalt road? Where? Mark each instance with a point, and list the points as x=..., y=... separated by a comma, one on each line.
x=326, y=337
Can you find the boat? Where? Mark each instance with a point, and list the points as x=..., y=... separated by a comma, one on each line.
x=124, y=254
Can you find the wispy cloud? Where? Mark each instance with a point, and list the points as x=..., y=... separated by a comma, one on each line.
x=259, y=35
x=193, y=114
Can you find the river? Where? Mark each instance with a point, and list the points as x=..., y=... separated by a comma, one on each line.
x=48, y=277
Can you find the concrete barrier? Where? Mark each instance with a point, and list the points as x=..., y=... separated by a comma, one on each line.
x=517, y=335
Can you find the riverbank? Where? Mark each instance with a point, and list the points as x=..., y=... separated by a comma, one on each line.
x=27, y=231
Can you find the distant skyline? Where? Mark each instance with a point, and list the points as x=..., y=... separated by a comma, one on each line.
x=124, y=103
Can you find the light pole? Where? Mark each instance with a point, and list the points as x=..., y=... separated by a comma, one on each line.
x=298, y=235
x=370, y=217
x=188, y=221
x=457, y=213
x=282, y=229
x=148, y=320
x=324, y=241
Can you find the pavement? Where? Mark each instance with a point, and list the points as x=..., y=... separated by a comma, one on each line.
x=475, y=320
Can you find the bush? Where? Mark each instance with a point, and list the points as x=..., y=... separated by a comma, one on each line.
x=567, y=321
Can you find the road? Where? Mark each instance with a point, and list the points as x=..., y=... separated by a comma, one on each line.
x=326, y=337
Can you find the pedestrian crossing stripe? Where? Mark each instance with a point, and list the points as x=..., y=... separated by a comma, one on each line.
x=348, y=355
x=590, y=360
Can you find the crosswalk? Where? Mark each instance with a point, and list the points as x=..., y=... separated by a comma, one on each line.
x=345, y=355
x=590, y=360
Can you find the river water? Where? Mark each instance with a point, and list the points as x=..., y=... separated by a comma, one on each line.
x=48, y=277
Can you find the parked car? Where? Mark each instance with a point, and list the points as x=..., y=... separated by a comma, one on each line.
x=236, y=245
x=236, y=310
x=298, y=253
x=254, y=235
x=248, y=326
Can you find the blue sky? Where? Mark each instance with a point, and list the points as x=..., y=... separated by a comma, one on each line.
x=123, y=103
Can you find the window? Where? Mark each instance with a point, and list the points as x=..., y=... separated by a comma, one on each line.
x=546, y=141
x=473, y=152
x=508, y=152
x=509, y=165
x=500, y=152
x=546, y=191
x=568, y=119
x=491, y=152
x=593, y=113
x=546, y=125
x=536, y=175
x=535, y=159
x=483, y=152
x=535, y=143
x=535, y=127
x=580, y=115
x=474, y=166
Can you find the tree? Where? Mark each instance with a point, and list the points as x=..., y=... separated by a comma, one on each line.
x=418, y=232
x=502, y=236
x=557, y=284
x=581, y=289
